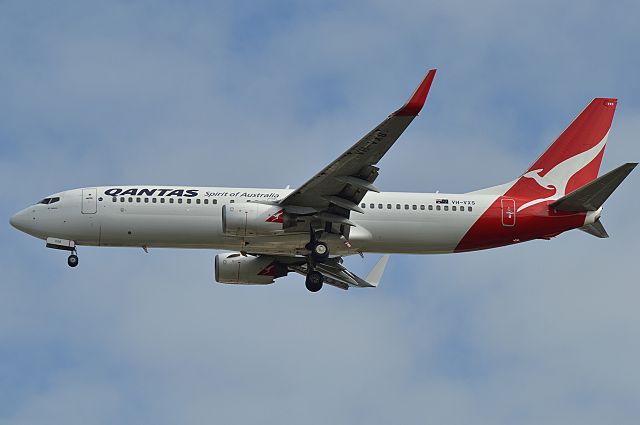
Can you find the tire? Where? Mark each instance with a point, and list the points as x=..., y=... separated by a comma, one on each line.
x=320, y=251
x=313, y=282
x=72, y=261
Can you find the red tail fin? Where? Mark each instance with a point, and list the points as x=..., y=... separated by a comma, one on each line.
x=579, y=149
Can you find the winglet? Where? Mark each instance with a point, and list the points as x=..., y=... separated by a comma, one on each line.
x=416, y=102
x=376, y=273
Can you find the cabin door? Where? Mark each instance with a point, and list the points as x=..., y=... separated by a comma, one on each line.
x=89, y=201
x=508, y=212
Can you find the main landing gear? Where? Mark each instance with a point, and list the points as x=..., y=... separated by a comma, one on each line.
x=319, y=251
x=313, y=282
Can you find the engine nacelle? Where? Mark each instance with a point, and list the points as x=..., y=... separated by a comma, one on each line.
x=236, y=268
x=253, y=219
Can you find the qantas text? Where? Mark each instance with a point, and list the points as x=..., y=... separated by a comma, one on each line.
x=189, y=193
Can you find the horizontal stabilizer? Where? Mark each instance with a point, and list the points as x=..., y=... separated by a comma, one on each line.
x=592, y=195
x=595, y=229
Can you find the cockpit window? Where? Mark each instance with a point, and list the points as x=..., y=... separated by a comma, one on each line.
x=47, y=201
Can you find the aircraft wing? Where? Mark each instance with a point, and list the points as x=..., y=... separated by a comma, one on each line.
x=335, y=274
x=340, y=186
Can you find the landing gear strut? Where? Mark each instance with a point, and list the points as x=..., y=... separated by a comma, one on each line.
x=313, y=282
x=319, y=253
x=319, y=250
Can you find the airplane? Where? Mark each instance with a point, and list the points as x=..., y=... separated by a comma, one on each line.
x=340, y=212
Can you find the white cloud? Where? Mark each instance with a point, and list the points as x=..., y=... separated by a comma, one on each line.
x=542, y=332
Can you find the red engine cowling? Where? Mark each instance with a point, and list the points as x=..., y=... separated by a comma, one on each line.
x=236, y=268
x=253, y=219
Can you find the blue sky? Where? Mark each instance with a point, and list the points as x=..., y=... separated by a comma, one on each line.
x=265, y=94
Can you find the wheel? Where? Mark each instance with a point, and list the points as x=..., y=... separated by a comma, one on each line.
x=313, y=282
x=72, y=261
x=320, y=251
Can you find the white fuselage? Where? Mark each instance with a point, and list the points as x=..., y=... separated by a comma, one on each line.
x=393, y=222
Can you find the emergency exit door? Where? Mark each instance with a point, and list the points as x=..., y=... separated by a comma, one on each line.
x=508, y=212
x=89, y=201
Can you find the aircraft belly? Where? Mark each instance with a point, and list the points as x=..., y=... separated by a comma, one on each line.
x=169, y=230
x=419, y=236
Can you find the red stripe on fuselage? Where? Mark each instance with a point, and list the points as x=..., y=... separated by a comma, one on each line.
x=536, y=222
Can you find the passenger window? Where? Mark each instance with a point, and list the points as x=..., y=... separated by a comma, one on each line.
x=461, y=208
x=430, y=207
x=372, y=205
x=415, y=207
x=397, y=206
x=179, y=200
x=438, y=207
x=188, y=201
x=470, y=209
x=162, y=200
x=122, y=199
x=380, y=206
x=388, y=206
x=114, y=199
x=422, y=207
x=146, y=200
x=206, y=201
x=446, y=207
x=138, y=200
x=154, y=200
x=130, y=199
x=232, y=201
x=363, y=205
x=171, y=200
x=406, y=206
x=215, y=201
x=99, y=199
x=197, y=201
x=453, y=208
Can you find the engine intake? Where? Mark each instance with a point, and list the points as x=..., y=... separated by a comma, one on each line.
x=247, y=270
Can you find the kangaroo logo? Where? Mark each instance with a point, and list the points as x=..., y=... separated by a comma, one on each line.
x=558, y=177
x=270, y=270
x=276, y=218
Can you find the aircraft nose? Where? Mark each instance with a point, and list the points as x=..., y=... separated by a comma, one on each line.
x=20, y=221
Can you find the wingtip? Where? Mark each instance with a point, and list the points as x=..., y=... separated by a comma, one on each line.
x=375, y=275
x=416, y=102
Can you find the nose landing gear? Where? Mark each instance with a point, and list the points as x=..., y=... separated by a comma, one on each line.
x=65, y=245
x=72, y=261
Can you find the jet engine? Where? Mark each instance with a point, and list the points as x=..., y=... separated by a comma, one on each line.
x=253, y=219
x=247, y=270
